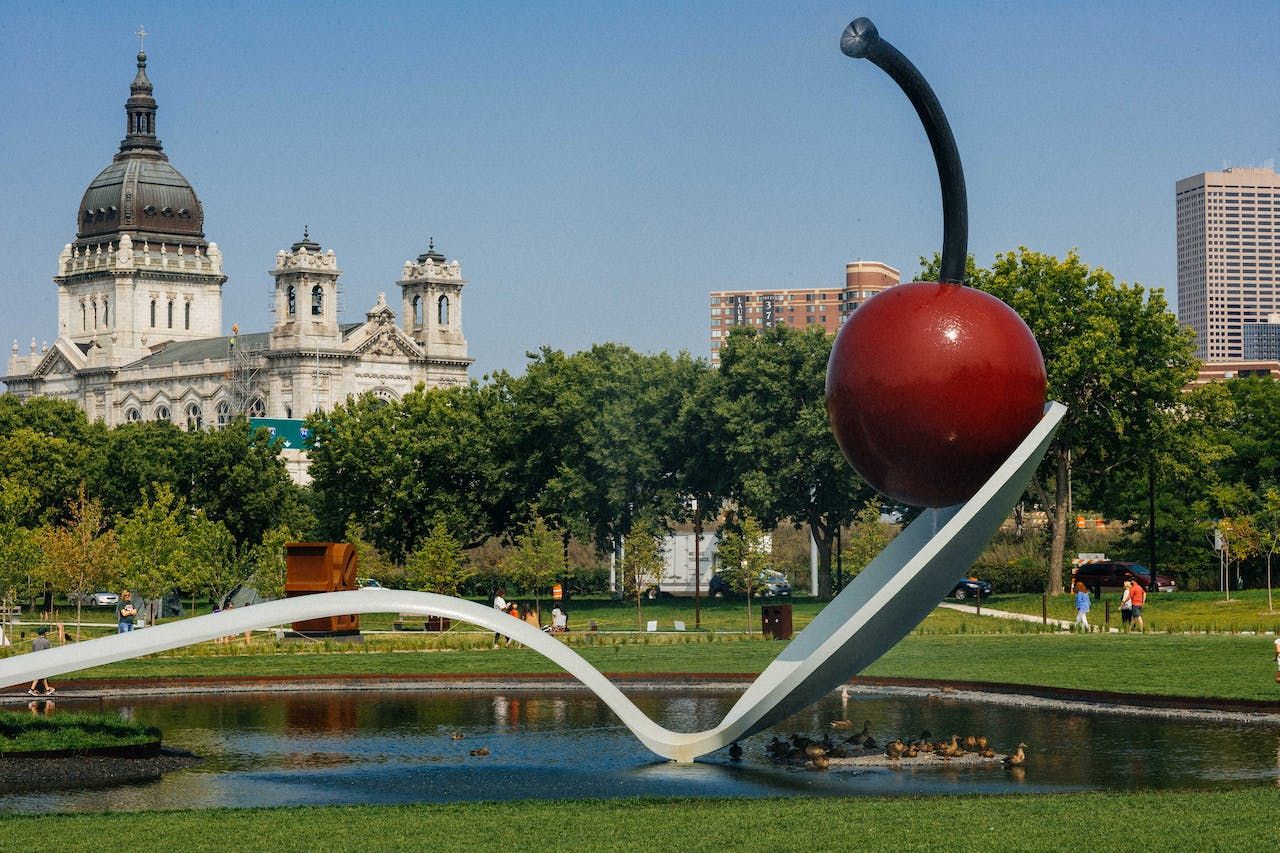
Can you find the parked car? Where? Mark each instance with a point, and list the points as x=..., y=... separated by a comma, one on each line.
x=1111, y=574
x=101, y=598
x=772, y=584
x=971, y=588
x=367, y=583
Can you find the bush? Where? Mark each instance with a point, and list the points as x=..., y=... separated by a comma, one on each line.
x=1013, y=564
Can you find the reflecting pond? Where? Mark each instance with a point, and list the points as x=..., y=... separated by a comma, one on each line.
x=276, y=749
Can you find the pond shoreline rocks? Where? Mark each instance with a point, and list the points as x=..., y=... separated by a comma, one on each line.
x=31, y=775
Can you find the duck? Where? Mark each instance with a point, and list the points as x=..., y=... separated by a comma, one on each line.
x=456, y=735
x=895, y=749
x=970, y=742
x=952, y=749
x=735, y=751
x=983, y=743
x=912, y=751
x=479, y=751
x=863, y=736
x=1017, y=757
x=820, y=762
x=988, y=752
x=814, y=750
x=870, y=743
x=841, y=724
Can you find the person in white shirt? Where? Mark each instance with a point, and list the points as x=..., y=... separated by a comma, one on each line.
x=499, y=604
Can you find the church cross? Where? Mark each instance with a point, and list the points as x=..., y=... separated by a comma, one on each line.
x=141, y=34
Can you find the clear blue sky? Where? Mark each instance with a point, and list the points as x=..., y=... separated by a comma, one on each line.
x=598, y=168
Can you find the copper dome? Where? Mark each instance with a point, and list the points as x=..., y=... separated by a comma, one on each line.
x=140, y=193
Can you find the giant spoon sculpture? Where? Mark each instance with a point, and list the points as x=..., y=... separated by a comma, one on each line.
x=935, y=393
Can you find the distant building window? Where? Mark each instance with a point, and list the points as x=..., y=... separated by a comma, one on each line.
x=84, y=317
x=162, y=412
x=170, y=313
x=317, y=301
x=442, y=307
x=153, y=313
x=106, y=313
x=186, y=311
x=257, y=409
x=195, y=419
x=417, y=312
x=132, y=414
x=95, y=315
x=224, y=413
x=291, y=297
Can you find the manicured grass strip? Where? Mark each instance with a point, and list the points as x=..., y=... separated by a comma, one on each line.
x=1224, y=667
x=1176, y=611
x=26, y=732
x=1213, y=820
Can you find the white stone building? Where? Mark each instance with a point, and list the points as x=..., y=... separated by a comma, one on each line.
x=140, y=332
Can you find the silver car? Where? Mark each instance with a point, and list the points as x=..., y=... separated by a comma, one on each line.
x=101, y=598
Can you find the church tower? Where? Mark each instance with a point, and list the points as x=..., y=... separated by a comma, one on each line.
x=306, y=297
x=431, y=293
x=140, y=272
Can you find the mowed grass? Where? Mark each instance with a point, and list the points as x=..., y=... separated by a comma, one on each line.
x=1197, y=666
x=25, y=732
x=1166, y=611
x=1210, y=820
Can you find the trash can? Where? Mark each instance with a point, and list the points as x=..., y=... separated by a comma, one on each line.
x=775, y=621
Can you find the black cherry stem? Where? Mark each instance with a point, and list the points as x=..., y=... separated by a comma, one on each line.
x=862, y=41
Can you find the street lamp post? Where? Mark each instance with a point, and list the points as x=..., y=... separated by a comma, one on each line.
x=697, y=565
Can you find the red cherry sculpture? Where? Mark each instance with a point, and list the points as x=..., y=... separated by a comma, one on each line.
x=930, y=387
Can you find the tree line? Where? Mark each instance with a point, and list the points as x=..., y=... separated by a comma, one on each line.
x=595, y=446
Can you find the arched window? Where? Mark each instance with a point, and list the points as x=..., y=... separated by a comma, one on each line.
x=95, y=314
x=291, y=295
x=417, y=312
x=106, y=313
x=317, y=301
x=170, y=313
x=186, y=310
x=195, y=419
x=257, y=409
x=288, y=412
x=84, y=317
x=224, y=413
x=153, y=313
x=162, y=412
x=442, y=311
x=132, y=414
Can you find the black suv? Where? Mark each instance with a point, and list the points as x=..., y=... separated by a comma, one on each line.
x=1111, y=574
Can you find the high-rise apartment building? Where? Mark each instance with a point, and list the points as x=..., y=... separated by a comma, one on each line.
x=820, y=306
x=1228, y=257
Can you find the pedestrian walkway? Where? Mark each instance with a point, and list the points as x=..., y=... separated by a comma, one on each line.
x=1006, y=614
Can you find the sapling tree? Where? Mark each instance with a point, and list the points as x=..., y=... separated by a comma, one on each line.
x=743, y=555
x=438, y=565
x=537, y=558
x=642, y=563
x=81, y=553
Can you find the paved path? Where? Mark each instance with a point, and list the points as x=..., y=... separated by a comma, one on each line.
x=1006, y=614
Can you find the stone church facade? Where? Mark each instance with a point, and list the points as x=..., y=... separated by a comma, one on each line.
x=140, y=332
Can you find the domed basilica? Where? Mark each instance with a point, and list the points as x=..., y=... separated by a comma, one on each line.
x=140, y=332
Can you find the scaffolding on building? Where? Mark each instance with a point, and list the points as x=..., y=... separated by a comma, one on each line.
x=246, y=395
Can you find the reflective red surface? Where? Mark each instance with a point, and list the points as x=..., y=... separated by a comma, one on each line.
x=930, y=387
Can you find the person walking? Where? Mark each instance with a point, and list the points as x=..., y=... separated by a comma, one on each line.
x=126, y=613
x=40, y=687
x=500, y=605
x=1126, y=606
x=1082, y=607
x=1138, y=596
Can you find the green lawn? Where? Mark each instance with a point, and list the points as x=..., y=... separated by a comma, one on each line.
x=1222, y=666
x=1172, y=611
x=25, y=732
x=1211, y=820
